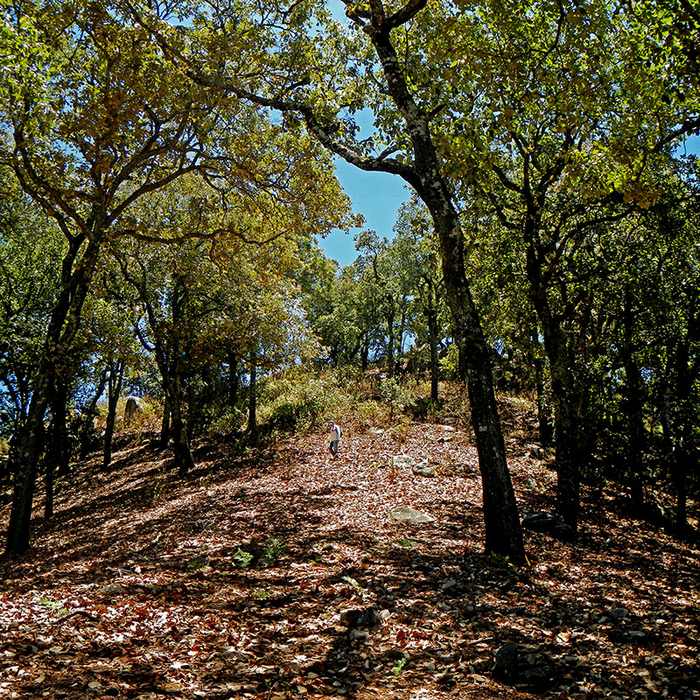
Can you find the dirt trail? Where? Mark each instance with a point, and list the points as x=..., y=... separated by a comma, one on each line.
x=281, y=575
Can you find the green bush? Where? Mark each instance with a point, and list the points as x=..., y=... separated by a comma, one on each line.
x=449, y=364
x=396, y=395
x=230, y=421
x=274, y=548
x=299, y=399
x=371, y=413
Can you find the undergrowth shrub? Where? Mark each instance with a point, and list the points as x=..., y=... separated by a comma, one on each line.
x=298, y=399
x=399, y=429
x=449, y=363
x=230, y=421
x=397, y=395
x=370, y=413
x=148, y=419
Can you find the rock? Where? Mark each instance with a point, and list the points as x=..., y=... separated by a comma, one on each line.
x=402, y=462
x=448, y=428
x=539, y=522
x=359, y=634
x=423, y=469
x=450, y=583
x=636, y=636
x=536, y=451
x=406, y=514
x=549, y=523
x=406, y=462
x=362, y=618
x=619, y=613
x=525, y=666
x=506, y=662
x=133, y=407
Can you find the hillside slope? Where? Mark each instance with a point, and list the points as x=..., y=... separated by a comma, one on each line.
x=280, y=574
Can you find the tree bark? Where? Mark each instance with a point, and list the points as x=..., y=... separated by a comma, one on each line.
x=390, y=343
x=234, y=380
x=49, y=480
x=502, y=523
x=116, y=376
x=165, y=424
x=402, y=326
x=181, y=443
x=180, y=432
x=60, y=449
x=563, y=382
x=544, y=421
x=252, y=398
x=634, y=406
x=87, y=429
x=434, y=366
x=63, y=327
x=683, y=415
x=365, y=351
x=57, y=454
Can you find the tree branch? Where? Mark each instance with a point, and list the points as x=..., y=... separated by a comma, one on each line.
x=405, y=14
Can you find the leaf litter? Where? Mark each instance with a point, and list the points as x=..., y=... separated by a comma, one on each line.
x=280, y=574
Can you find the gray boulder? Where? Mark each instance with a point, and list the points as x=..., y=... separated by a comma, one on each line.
x=406, y=514
x=133, y=407
x=423, y=469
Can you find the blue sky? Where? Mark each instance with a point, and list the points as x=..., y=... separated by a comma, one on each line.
x=377, y=196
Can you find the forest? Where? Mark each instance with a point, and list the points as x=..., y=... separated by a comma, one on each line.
x=510, y=372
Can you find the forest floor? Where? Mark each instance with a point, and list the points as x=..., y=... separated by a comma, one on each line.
x=278, y=573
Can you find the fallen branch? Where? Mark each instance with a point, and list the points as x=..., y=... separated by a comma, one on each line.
x=75, y=613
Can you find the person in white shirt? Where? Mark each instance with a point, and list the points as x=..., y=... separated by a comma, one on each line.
x=336, y=433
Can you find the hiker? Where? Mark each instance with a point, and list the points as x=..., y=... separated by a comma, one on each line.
x=336, y=432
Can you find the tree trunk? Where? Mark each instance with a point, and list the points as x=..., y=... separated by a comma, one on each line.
x=60, y=450
x=563, y=383
x=87, y=427
x=390, y=344
x=543, y=416
x=234, y=380
x=63, y=327
x=544, y=423
x=165, y=424
x=57, y=456
x=402, y=326
x=634, y=405
x=365, y=351
x=181, y=444
x=684, y=417
x=567, y=456
x=48, y=504
x=116, y=376
x=28, y=448
x=252, y=398
x=681, y=463
x=434, y=366
x=503, y=533
x=502, y=523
